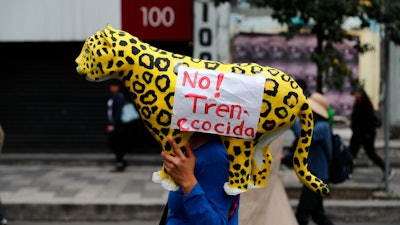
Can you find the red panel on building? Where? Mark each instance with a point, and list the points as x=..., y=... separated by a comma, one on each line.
x=158, y=20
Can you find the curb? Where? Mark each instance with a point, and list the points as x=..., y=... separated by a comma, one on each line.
x=82, y=212
x=338, y=210
x=380, y=211
x=97, y=159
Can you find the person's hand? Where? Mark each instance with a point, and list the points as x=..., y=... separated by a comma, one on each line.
x=181, y=167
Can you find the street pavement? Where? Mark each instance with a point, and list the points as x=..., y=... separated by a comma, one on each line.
x=72, y=188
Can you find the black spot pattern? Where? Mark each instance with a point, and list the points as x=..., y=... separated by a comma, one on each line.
x=163, y=83
x=164, y=118
x=149, y=97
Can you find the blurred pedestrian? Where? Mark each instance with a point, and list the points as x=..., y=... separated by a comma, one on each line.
x=115, y=127
x=364, y=129
x=311, y=203
x=303, y=84
x=3, y=220
x=200, y=174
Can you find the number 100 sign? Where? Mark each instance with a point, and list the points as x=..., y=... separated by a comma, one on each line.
x=158, y=20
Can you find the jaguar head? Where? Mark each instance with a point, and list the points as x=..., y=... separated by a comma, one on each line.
x=102, y=56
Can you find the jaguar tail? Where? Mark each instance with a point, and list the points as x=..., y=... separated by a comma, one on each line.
x=301, y=153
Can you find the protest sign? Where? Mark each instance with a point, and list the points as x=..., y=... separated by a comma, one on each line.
x=217, y=102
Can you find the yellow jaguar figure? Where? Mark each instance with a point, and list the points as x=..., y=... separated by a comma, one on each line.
x=150, y=75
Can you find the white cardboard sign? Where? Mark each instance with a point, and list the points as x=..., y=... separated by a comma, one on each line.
x=217, y=102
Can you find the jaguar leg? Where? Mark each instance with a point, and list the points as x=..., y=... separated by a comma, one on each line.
x=240, y=152
x=260, y=167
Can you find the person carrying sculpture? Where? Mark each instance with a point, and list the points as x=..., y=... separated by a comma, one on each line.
x=200, y=175
x=311, y=203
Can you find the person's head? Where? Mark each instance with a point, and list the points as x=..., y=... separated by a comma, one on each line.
x=319, y=105
x=359, y=95
x=115, y=86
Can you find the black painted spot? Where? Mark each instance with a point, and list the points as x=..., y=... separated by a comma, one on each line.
x=100, y=66
x=269, y=125
x=135, y=50
x=154, y=109
x=281, y=112
x=147, y=61
x=123, y=43
x=273, y=71
x=256, y=69
x=178, y=140
x=211, y=65
x=237, y=150
x=286, y=77
x=167, y=146
x=177, y=56
x=147, y=77
x=247, y=163
x=236, y=69
x=146, y=112
x=162, y=64
x=138, y=87
x=271, y=87
x=98, y=52
x=304, y=106
x=195, y=60
x=164, y=118
x=294, y=84
x=237, y=167
x=110, y=64
x=120, y=63
x=227, y=144
x=165, y=131
x=291, y=99
x=296, y=162
x=163, y=83
x=132, y=40
x=148, y=98
x=128, y=76
x=129, y=60
x=143, y=47
x=169, y=99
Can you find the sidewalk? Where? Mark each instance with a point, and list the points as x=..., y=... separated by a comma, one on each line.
x=81, y=188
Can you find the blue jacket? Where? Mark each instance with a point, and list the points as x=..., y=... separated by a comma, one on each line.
x=207, y=203
x=321, y=139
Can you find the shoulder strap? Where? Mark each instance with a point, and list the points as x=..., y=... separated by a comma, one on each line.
x=234, y=207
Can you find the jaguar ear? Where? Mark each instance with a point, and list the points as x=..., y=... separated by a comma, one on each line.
x=106, y=35
x=109, y=27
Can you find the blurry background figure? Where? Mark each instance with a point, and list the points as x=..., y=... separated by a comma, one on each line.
x=311, y=203
x=3, y=220
x=303, y=84
x=364, y=129
x=115, y=127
